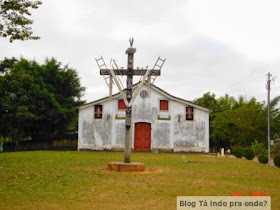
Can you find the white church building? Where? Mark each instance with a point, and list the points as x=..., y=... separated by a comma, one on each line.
x=160, y=122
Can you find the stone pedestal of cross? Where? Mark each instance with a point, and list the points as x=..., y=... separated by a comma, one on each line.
x=129, y=95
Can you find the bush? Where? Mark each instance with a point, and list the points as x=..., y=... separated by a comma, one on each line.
x=275, y=150
x=263, y=159
x=248, y=153
x=238, y=152
x=258, y=148
x=277, y=161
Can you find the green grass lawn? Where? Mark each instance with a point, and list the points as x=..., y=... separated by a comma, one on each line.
x=79, y=180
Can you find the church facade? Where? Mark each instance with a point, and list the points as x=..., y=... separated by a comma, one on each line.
x=160, y=121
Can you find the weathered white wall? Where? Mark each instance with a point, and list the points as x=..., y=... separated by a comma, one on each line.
x=109, y=132
x=95, y=134
x=191, y=136
x=85, y=132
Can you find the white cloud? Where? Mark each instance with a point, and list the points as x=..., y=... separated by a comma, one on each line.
x=217, y=46
x=250, y=27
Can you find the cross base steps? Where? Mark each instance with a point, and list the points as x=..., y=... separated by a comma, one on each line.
x=123, y=167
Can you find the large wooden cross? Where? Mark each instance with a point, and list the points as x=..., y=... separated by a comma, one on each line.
x=129, y=94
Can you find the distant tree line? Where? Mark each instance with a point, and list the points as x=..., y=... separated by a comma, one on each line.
x=38, y=101
x=238, y=122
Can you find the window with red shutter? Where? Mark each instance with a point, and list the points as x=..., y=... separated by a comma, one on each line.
x=121, y=104
x=163, y=105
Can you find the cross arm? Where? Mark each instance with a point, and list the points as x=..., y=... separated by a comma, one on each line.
x=136, y=72
x=138, y=88
x=119, y=87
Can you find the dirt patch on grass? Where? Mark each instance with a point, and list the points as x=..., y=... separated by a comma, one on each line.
x=146, y=171
x=193, y=161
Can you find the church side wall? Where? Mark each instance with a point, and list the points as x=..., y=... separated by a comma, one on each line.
x=85, y=134
x=95, y=134
x=190, y=135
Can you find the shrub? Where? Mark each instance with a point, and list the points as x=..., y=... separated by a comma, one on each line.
x=248, y=153
x=275, y=149
x=238, y=152
x=277, y=161
x=263, y=159
x=258, y=148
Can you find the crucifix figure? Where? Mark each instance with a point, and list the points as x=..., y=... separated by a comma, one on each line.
x=129, y=95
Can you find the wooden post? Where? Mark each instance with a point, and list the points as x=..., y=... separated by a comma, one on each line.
x=129, y=96
x=111, y=86
x=149, y=86
x=129, y=85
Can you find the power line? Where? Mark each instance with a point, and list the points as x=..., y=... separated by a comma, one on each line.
x=255, y=76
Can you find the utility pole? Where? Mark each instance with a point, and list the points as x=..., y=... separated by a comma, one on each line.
x=268, y=114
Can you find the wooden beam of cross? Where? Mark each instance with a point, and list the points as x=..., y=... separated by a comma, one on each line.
x=136, y=72
x=135, y=92
x=129, y=95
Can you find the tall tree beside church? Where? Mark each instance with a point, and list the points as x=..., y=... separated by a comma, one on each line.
x=19, y=94
x=234, y=122
x=250, y=122
x=38, y=101
x=14, y=21
x=65, y=92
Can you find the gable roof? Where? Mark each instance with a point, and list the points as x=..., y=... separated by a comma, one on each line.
x=153, y=87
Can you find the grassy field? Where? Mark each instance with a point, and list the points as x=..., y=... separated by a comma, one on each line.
x=79, y=180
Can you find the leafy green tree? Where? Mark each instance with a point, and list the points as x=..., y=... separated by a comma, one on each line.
x=241, y=101
x=275, y=117
x=14, y=21
x=223, y=129
x=6, y=65
x=250, y=122
x=234, y=122
x=18, y=99
x=65, y=91
x=208, y=100
x=226, y=103
x=39, y=101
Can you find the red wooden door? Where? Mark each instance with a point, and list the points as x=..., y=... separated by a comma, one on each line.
x=142, y=137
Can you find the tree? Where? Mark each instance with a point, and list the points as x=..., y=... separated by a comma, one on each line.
x=223, y=129
x=250, y=122
x=235, y=122
x=14, y=21
x=38, y=101
x=239, y=122
x=275, y=117
x=18, y=95
x=65, y=91
x=208, y=100
x=226, y=103
x=6, y=65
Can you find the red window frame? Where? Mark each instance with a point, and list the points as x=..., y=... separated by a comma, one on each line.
x=163, y=105
x=189, y=113
x=98, y=112
x=121, y=104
